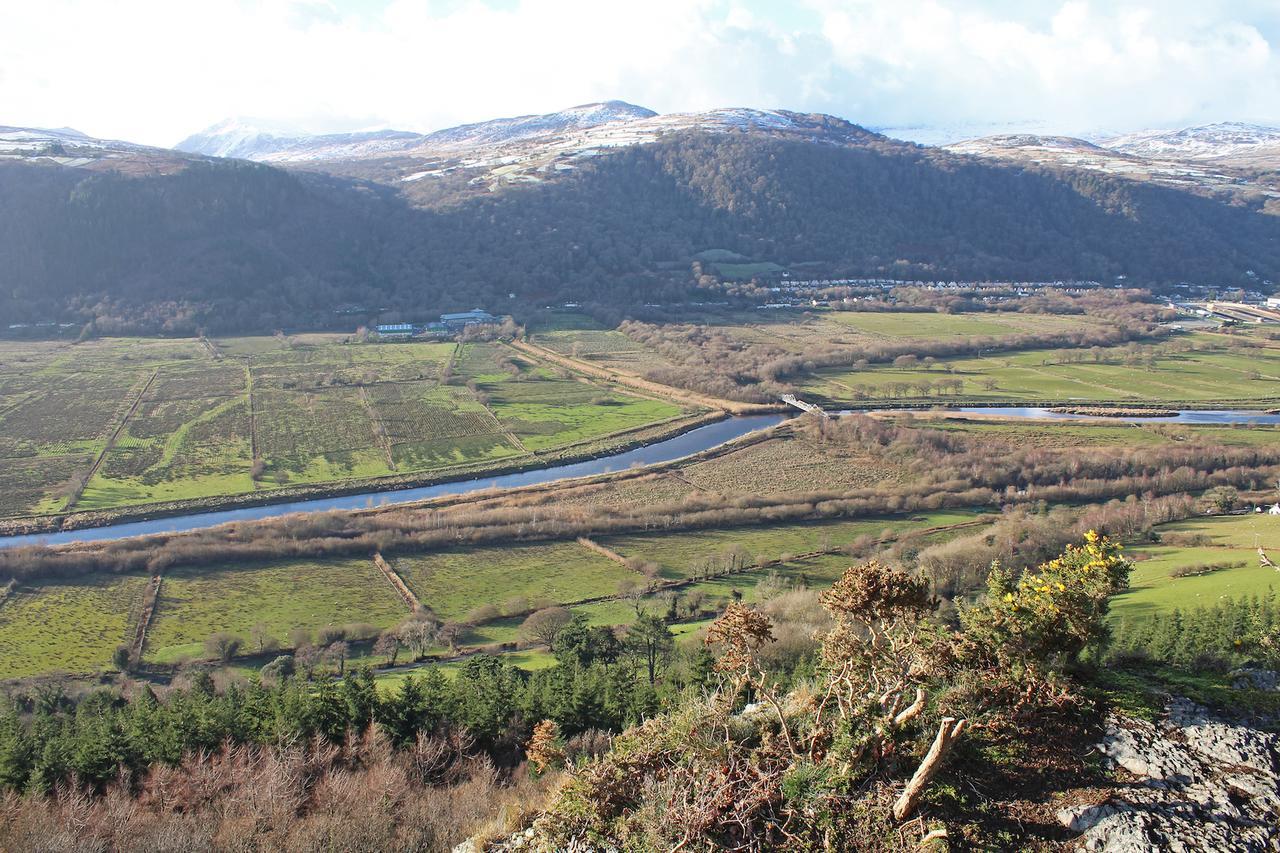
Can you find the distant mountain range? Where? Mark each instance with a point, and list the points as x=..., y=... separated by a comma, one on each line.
x=1227, y=160
x=1231, y=159
x=1244, y=144
x=521, y=150
x=1228, y=157
x=606, y=204
x=609, y=123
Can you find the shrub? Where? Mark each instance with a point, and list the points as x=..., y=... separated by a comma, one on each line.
x=222, y=646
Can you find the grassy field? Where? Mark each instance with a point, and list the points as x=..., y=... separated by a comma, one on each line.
x=67, y=626
x=1100, y=433
x=904, y=324
x=682, y=554
x=797, y=332
x=606, y=347
x=542, y=409
x=149, y=420
x=816, y=572
x=75, y=626
x=282, y=596
x=1232, y=539
x=452, y=583
x=1217, y=370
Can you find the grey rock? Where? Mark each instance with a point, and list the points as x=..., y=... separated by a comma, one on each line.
x=1256, y=679
x=1202, y=784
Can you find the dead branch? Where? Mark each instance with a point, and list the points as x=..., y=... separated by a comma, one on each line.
x=948, y=730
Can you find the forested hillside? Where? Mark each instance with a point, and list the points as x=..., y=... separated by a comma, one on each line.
x=231, y=245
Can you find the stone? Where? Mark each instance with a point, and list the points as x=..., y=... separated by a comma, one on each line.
x=1202, y=783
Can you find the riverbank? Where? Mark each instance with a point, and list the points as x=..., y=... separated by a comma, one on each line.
x=601, y=448
x=1118, y=412
x=709, y=431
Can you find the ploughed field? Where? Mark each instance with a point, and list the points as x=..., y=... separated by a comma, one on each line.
x=118, y=422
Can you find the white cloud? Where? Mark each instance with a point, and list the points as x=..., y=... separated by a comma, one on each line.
x=156, y=70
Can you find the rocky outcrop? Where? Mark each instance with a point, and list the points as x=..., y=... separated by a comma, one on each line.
x=1200, y=783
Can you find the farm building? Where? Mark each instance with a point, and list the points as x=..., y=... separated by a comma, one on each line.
x=395, y=330
x=467, y=318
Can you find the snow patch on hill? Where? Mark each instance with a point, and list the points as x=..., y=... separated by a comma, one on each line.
x=1208, y=142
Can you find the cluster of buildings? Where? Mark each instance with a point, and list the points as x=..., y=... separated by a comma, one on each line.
x=1023, y=287
x=449, y=324
x=1239, y=312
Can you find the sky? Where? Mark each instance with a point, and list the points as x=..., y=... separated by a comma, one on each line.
x=155, y=71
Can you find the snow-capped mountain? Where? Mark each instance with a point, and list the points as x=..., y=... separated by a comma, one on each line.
x=67, y=147
x=606, y=124
x=492, y=159
x=502, y=131
x=1072, y=153
x=1026, y=142
x=1222, y=141
x=521, y=149
x=941, y=135
x=32, y=140
x=251, y=141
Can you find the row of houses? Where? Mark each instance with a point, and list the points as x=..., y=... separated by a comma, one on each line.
x=448, y=324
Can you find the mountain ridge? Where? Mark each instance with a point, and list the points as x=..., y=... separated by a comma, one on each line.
x=1217, y=141
x=231, y=244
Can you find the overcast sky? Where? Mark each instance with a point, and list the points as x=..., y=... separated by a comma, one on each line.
x=155, y=71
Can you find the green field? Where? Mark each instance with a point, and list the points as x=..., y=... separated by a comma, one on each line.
x=905, y=324
x=194, y=604
x=75, y=626
x=125, y=422
x=452, y=583
x=67, y=626
x=543, y=410
x=1233, y=539
x=684, y=554
x=606, y=347
x=1217, y=370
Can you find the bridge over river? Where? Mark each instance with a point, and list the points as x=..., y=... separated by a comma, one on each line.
x=793, y=400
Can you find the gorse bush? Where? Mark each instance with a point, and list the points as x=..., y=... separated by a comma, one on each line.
x=839, y=759
x=1041, y=621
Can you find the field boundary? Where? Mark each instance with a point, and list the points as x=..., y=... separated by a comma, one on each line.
x=639, y=383
x=149, y=600
x=253, y=425
x=211, y=348
x=379, y=426
x=83, y=483
x=502, y=428
x=608, y=553
x=679, y=583
x=6, y=592
x=393, y=577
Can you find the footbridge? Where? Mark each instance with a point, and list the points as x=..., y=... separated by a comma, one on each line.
x=793, y=400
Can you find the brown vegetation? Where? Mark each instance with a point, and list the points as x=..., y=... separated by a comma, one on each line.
x=940, y=470
x=713, y=360
x=361, y=796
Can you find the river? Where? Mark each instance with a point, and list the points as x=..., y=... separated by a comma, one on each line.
x=1186, y=416
x=693, y=441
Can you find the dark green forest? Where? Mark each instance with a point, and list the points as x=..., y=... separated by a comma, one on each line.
x=235, y=246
